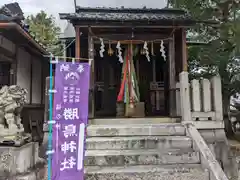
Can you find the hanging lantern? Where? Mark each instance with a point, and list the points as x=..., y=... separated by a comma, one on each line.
x=110, y=50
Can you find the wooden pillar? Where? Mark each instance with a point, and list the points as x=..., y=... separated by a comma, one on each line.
x=42, y=81
x=184, y=51
x=13, y=71
x=106, y=80
x=77, y=43
x=65, y=50
x=154, y=69
x=92, y=77
x=172, y=78
x=31, y=79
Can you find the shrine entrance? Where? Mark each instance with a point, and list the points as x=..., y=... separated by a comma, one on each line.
x=152, y=77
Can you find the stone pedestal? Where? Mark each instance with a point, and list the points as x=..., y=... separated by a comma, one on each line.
x=19, y=161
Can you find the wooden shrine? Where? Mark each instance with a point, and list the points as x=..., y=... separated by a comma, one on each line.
x=156, y=39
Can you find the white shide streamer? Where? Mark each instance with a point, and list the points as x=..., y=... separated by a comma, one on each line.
x=145, y=47
x=102, y=48
x=162, y=50
x=119, y=52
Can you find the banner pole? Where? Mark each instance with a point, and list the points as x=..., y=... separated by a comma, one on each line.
x=50, y=118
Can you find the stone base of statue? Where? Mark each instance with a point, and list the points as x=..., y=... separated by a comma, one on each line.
x=13, y=137
x=21, y=163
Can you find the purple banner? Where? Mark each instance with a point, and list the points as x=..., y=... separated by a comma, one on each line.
x=71, y=115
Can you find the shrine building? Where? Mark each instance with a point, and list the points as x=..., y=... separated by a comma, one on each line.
x=151, y=41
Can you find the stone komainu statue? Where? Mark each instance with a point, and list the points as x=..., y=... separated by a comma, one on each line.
x=12, y=99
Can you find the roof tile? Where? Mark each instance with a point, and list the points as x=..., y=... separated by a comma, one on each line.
x=127, y=14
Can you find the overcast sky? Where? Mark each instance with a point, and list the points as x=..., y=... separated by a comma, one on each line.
x=55, y=6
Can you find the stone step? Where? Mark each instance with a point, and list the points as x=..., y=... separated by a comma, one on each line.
x=138, y=142
x=147, y=172
x=148, y=120
x=164, y=129
x=140, y=157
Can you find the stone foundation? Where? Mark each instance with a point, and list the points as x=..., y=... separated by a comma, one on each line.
x=20, y=162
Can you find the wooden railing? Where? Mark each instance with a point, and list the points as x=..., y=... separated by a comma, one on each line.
x=199, y=100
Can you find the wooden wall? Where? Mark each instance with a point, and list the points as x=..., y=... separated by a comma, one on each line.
x=31, y=74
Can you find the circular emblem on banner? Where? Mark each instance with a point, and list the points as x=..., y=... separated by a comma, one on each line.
x=72, y=78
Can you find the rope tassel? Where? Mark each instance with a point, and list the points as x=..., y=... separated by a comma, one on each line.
x=102, y=48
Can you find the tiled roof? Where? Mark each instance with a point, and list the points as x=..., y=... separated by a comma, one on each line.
x=12, y=10
x=12, y=13
x=126, y=14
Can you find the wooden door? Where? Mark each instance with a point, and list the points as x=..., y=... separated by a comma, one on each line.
x=152, y=85
x=107, y=84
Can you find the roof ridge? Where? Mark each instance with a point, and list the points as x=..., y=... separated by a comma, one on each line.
x=123, y=9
